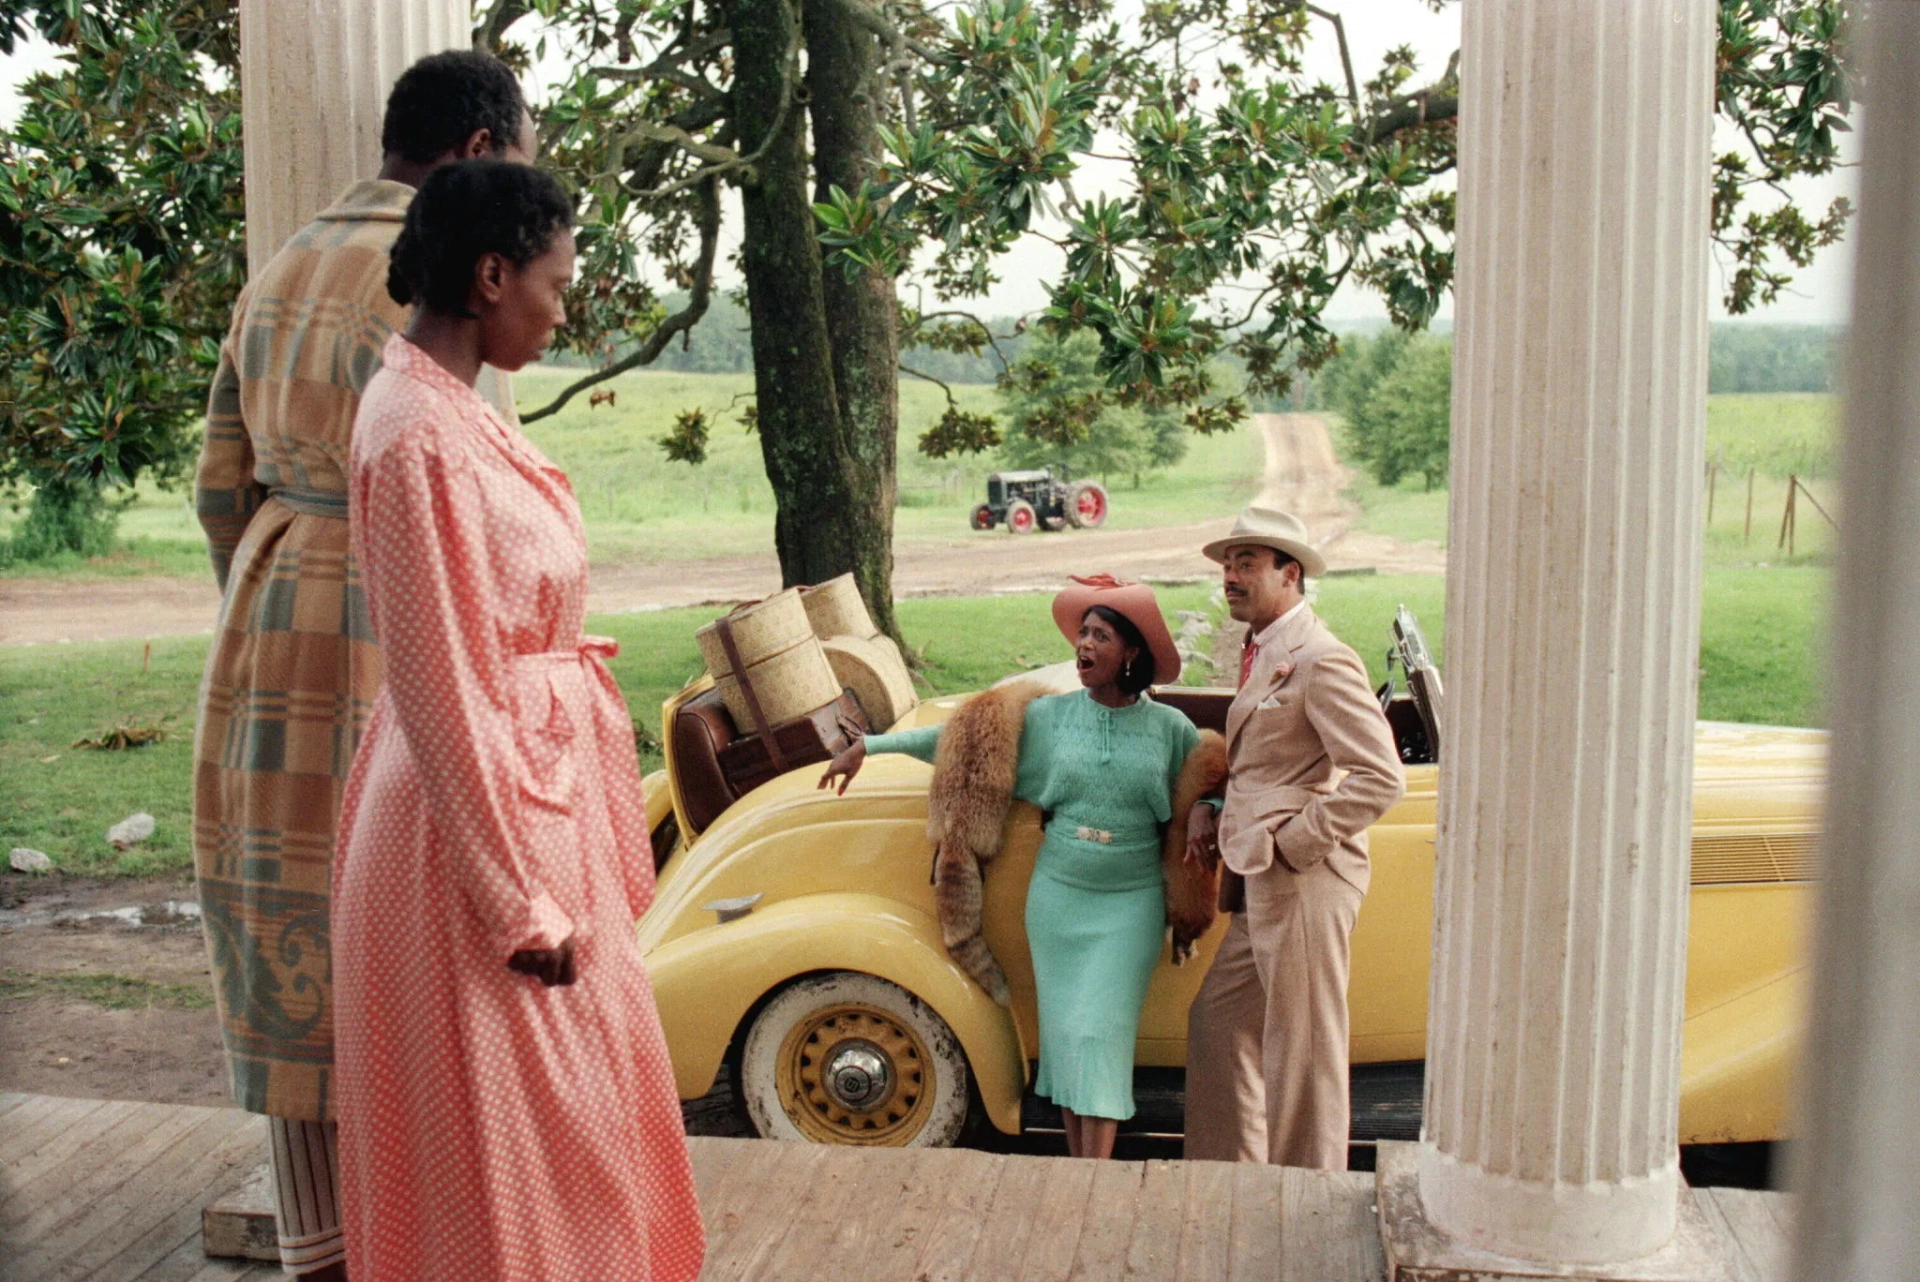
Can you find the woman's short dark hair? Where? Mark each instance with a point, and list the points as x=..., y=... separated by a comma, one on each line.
x=444, y=99
x=1137, y=673
x=464, y=210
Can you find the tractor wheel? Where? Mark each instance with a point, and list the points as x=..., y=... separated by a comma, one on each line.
x=1021, y=518
x=846, y=1058
x=1088, y=506
x=982, y=518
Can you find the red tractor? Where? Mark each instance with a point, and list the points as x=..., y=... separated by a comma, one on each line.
x=1029, y=501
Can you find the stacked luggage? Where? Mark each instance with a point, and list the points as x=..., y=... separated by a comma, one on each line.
x=796, y=678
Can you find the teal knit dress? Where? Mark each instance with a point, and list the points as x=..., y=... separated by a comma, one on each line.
x=1096, y=908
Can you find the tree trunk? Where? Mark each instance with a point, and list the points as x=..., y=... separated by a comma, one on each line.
x=835, y=500
x=842, y=58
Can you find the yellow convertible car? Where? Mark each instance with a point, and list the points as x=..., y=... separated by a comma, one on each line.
x=795, y=951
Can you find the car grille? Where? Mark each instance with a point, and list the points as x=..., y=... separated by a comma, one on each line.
x=1753, y=857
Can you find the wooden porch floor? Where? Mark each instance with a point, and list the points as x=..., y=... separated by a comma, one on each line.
x=112, y=1190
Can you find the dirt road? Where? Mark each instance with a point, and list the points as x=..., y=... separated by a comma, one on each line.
x=1303, y=475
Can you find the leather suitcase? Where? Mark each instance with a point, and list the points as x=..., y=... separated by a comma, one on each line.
x=819, y=736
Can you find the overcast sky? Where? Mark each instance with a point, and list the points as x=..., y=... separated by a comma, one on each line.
x=1819, y=294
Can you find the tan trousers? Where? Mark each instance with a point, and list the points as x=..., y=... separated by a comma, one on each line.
x=1267, y=1034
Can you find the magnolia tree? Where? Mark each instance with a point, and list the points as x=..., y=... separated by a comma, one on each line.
x=121, y=250
x=886, y=155
x=889, y=155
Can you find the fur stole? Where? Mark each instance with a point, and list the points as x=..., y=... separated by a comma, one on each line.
x=1193, y=891
x=967, y=805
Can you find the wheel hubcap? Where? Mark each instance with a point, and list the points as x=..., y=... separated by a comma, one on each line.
x=858, y=1076
x=854, y=1074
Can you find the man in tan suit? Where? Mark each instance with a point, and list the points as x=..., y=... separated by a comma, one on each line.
x=1311, y=763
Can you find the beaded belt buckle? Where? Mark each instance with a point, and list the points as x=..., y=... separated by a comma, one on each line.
x=1099, y=835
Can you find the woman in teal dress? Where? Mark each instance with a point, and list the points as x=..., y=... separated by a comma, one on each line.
x=1102, y=764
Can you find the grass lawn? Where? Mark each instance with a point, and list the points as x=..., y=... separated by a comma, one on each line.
x=1760, y=634
x=113, y=992
x=1780, y=433
x=638, y=506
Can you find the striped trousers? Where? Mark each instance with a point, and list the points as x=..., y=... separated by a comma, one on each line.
x=306, y=1193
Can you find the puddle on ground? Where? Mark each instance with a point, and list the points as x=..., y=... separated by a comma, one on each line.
x=168, y=914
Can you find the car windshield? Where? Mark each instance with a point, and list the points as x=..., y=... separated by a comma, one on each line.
x=1423, y=675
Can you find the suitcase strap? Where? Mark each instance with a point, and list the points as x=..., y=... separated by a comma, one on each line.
x=765, y=731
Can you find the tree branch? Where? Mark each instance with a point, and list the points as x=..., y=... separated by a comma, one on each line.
x=1438, y=101
x=940, y=383
x=713, y=153
x=707, y=218
x=986, y=332
x=891, y=36
x=643, y=169
x=1346, y=59
x=1253, y=308
x=501, y=15
x=725, y=160
x=671, y=65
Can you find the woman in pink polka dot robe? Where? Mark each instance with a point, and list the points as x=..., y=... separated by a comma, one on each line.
x=506, y=1105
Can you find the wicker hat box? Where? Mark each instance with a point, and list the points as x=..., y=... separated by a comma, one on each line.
x=875, y=675
x=806, y=693
x=836, y=609
x=864, y=659
x=780, y=657
x=789, y=710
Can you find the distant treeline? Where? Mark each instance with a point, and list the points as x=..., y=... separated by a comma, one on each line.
x=722, y=344
x=1741, y=357
x=1772, y=358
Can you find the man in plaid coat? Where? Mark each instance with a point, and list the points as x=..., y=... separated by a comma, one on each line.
x=294, y=667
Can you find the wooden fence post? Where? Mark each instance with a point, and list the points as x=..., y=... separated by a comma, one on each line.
x=1786, y=514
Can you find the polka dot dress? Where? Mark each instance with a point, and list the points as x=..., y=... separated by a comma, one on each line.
x=491, y=1128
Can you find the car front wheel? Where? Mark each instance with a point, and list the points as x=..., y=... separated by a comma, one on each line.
x=847, y=1058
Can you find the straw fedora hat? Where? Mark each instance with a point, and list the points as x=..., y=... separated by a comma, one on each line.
x=1133, y=602
x=1267, y=527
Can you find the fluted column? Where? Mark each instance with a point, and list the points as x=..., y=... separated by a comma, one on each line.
x=1573, y=614
x=314, y=77
x=1859, y=1180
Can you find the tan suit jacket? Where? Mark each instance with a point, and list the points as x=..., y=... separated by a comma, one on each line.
x=1311, y=758
x=1311, y=764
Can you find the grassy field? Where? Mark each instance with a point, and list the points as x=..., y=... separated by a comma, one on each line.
x=1758, y=440
x=1760, y=629
x=1780, y=433
x=638, y=506
x=112, y=992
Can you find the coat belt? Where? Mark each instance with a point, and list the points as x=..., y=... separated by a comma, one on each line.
x=323, y=503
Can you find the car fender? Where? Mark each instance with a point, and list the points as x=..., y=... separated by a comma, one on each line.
x=657, y=793
x=707, y=982
x=1737, y=1064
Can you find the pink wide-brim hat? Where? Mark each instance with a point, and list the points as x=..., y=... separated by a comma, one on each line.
x=1133, y=602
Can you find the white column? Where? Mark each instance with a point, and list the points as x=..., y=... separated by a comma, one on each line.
x=1579, y=403
x=1858, y=1177
x=314, y=77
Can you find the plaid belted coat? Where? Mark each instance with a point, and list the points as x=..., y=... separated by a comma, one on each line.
x=294, y=666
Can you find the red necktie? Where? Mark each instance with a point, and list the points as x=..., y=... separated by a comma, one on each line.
x=1246, y=658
